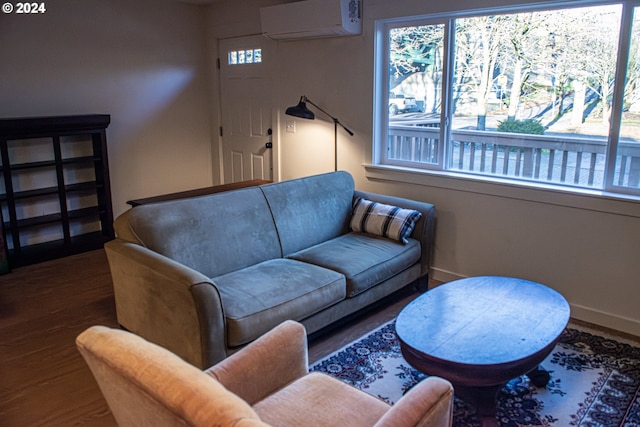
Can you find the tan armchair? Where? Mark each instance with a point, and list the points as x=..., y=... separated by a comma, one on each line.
x=266, y=383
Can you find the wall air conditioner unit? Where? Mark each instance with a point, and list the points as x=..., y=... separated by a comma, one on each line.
x=312, y=19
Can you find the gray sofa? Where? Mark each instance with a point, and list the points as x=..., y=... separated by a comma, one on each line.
x=206, y=275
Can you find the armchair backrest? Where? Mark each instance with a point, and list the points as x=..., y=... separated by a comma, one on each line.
x=146, y=385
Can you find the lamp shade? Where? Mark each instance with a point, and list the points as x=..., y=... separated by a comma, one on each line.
x=301, y=110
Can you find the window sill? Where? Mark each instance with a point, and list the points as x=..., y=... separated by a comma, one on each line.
x=599, y=201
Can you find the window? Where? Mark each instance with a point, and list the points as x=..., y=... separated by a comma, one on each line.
x=247, y=56
x=548, y=96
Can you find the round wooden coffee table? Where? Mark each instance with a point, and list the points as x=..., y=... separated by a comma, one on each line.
x=481, y=332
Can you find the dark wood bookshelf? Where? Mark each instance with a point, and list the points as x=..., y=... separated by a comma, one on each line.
x=52, y=176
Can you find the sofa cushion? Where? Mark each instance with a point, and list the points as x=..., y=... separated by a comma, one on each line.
x=310, y=210
x=383, y=220
x=258, y=298
x=364, y=259
x=213, y=234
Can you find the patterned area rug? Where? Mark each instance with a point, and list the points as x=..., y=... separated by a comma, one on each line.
x=595, y=381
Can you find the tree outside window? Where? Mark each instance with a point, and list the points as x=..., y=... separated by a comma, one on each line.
x=527, y=95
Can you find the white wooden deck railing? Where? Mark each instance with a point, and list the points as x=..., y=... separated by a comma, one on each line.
x=572, y=160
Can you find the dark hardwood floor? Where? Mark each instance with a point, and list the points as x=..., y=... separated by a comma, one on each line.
x=43, y=307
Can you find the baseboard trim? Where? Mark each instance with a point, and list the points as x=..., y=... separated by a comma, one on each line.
x=608, y=320
x=441, y=275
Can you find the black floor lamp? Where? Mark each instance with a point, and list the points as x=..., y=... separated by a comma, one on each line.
x=303, y=112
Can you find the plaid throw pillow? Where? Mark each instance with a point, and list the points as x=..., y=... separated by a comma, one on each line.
x=383, y=220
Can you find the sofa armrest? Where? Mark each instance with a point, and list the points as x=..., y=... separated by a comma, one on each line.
x=428, y=404
x=424, y=231
x=267, y=364
x=167, y=303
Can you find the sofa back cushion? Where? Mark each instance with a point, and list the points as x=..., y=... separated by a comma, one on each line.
x=310, y=210
x=213, y=234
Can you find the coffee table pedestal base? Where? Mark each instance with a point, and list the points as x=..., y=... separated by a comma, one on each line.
x=483, y=399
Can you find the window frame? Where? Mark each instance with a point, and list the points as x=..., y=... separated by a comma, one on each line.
x=380, y=158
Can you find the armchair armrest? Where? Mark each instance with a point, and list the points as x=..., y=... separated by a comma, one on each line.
x=167, y=303
x=428, y=404
x=424, y=230
x=267, y=364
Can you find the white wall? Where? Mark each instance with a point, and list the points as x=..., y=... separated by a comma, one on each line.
x=585, y=247
x=143, y=62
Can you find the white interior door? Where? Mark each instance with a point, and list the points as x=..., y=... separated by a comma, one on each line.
x=247, y=102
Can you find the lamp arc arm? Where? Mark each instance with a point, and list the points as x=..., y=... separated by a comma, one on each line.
x=335, y=119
